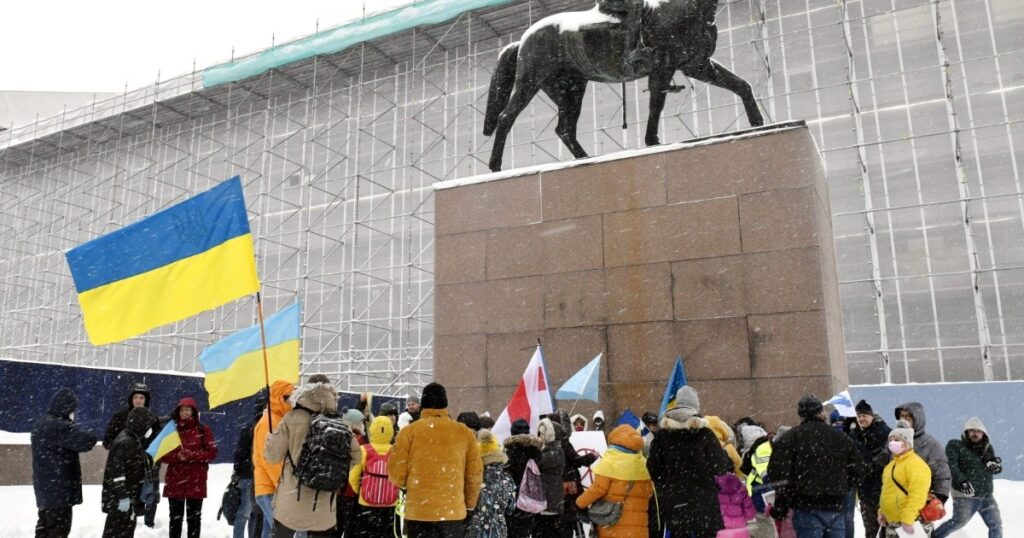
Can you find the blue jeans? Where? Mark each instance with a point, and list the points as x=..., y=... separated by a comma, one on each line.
x=245, y=515
x=849, y=509
x=964, y=509
x=266, y=503
x=819, y=524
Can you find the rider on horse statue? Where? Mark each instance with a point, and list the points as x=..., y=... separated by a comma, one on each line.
x=637, y=58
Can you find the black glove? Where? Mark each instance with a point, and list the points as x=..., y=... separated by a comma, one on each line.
x=966, y=488
x=994, y=465
x=779, y=513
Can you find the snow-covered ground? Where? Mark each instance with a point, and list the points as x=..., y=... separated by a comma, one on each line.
x=19, y=509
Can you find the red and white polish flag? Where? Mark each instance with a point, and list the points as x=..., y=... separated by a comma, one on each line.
x=530, y=400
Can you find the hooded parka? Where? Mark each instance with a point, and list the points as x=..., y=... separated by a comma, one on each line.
x=127, y=462
x=188, y=464
x=120, y=419
x=266, y=475
x=685, y=458
x=929, y=449
x=967, y=461
x=56, y=443
x=552, y=464
x=621, y=475
x=293, y=503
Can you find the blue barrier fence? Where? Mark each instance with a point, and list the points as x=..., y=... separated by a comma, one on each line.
x=948, y=405
x=26, y=389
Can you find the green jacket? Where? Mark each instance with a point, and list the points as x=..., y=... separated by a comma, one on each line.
x=967, y=463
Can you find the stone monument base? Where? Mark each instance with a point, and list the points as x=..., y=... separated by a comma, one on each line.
x=718, y=251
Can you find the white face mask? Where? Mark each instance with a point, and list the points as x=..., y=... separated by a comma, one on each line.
x=71, y=417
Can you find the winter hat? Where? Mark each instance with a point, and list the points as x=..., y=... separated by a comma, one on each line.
x=780, y=432
x=353, y=417
x=412, y=399
x=863, y=408
x=434, y=397
x=486, y=422
x=139, y=420
x=520, y=427
x=809, y=407
x=904, y=432
x=686, y=398
x=317, y=378
x=650, y=417
x=388, y=409
x=749, y=433
x=974, y=423
x=488, y=443
x=470, y=419
x=598, y=417
x=139, y=388
x=381, y=431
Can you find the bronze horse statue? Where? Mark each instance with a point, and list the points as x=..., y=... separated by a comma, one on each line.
x=561, y=53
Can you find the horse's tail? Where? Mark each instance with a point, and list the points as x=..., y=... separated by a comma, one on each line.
x=502, y=81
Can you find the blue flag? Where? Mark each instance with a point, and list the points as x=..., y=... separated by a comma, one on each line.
x=583, y=384
x=629, y=418
x=675, y=382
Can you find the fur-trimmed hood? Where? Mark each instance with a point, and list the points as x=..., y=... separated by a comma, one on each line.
x=317, y=397
x=576, y=417
x=525, y=440
x=550, y=432
x=677, y=420
x=494, y=457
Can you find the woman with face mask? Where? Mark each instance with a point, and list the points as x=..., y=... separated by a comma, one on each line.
x=905, y=483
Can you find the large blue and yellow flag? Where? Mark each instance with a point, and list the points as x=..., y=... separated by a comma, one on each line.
x=234, y=366
x=191, y=257
x=166, y=441
x=675, y=382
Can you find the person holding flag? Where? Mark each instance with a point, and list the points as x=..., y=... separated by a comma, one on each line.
x=266, y=475
x=187, y=466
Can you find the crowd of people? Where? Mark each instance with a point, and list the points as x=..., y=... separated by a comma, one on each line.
x=305, y=468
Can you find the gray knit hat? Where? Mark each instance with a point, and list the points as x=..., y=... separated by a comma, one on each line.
x=687, y=400
x=904, y=432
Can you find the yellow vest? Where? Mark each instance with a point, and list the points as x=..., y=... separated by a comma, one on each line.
x=759, y=461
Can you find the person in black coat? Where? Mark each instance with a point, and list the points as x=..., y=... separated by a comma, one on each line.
x=126, y=470
x=521, y=447
x=685, y=459
x=870, y=434
x=248, y=513
x=138, y=397
x=552, y=467
x=56, y=469
x=818, y=466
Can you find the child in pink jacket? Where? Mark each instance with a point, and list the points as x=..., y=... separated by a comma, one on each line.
x=736, y=506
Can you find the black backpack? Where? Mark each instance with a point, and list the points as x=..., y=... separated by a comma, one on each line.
x=230, y=502
x=324, y=462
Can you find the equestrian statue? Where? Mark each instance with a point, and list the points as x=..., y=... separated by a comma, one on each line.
x=616, y=41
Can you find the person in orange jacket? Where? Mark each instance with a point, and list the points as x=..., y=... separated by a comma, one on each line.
x=621, y=476
x=266, y=475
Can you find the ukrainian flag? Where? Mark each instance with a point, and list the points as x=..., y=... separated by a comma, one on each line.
x=234, y=366
x=165, y=442
x=675, y=382
x=191, y=257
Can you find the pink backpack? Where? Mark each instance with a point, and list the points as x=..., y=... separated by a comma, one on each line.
x=374, y=487
x=531, y=490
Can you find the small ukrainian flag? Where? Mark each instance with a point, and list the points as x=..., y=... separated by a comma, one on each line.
x=234, y=366
x=675, y=382
x=188, y=258
x=165, y=442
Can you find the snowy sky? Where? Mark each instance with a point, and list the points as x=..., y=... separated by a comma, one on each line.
x=64, y=45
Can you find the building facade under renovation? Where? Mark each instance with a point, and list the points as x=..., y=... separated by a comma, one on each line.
x=917, y=107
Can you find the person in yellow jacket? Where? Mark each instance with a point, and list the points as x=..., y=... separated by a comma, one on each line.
x=905, y=483
x=266, y=475
x=621, y=476
x=727, y=439
x=369, y=479
x=437, y=461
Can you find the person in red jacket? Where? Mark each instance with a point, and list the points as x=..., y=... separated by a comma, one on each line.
x=185, y=482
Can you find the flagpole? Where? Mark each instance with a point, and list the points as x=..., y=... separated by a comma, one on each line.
x=266, y=367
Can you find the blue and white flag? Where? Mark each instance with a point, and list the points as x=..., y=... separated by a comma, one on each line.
x=583, y=384
x=843, y=404
x=629, y=418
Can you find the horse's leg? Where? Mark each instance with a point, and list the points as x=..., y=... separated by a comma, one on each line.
x=657, y=83
x=717, y=75
x=568, y=96
x=524, y=90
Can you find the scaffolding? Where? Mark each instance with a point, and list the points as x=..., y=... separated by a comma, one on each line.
x=915, y=116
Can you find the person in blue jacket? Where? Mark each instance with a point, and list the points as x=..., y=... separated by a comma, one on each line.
x=56, y=471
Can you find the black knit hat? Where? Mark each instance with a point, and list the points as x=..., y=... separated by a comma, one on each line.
x=470, y=419
x=520, y=426
x=809, y=406
x=863, y=408
x=434, y=397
